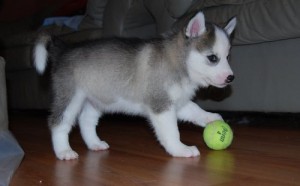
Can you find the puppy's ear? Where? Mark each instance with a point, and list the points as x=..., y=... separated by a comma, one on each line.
x=196, y=26
x=230, y=26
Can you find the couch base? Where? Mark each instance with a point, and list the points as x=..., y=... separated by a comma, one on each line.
x=27, y=90
x=3, y=104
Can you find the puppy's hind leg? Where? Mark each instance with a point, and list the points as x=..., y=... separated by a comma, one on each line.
x=63, y=117
x=88, y=121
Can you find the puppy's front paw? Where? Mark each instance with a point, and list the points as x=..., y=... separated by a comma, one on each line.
x=67, y=155
x=185, y=151
x=99, y=145
x=210, y=117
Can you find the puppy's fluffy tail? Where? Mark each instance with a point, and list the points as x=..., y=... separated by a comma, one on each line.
x=40, y=52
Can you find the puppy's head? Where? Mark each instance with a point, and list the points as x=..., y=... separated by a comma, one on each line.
x=207, y=62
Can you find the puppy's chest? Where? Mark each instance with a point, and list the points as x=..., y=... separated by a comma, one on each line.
x=182, y=93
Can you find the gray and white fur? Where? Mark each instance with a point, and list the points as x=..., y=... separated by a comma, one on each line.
x=155, y=78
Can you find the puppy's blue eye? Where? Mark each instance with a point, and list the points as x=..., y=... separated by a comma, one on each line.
x=213, y=58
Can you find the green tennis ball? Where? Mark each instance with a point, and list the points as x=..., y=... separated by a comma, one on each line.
x=217, y=135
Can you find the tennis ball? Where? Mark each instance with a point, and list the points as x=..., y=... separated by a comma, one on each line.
x=217, y=135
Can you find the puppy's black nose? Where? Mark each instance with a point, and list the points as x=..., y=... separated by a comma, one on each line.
x=230, y=78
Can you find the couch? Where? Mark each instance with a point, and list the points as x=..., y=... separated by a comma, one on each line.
x=264, y=54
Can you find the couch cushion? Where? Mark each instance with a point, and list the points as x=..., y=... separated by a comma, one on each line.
x=176, y=8
x=260, y=20
x=83, y=35
x=128, y=18
x=94, y=15
x=225, y=2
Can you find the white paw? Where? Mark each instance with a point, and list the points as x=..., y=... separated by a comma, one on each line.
x=67, y=155
x=210, y=117
x=99, y=145
x=185, y=151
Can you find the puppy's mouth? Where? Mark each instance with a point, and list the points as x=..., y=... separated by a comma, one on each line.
x=210, y=82
x=222, y=85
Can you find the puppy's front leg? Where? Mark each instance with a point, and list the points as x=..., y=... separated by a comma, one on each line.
x=166, y=129
x=193, y=113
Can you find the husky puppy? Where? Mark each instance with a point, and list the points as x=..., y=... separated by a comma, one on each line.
x=155, y=78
